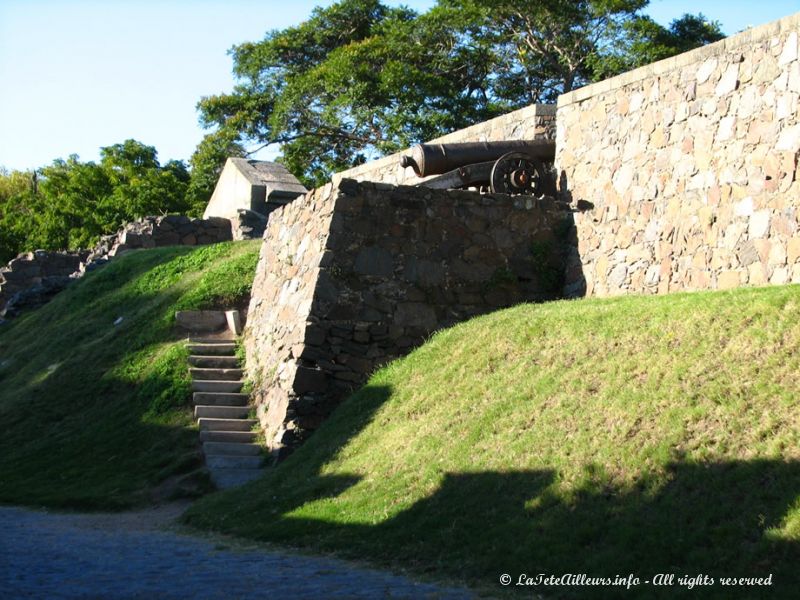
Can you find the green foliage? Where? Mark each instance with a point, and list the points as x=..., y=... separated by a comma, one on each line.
x=360, y=79
x=234, y=276
x=645, y=41
x=355, y=80
x=70, y=204
x=15, y=217
x=631, y=435
x=544, y=49
x=149, y=370
x=94, y=387
x=501, y=277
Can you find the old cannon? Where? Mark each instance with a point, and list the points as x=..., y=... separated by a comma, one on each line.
x=511, y=167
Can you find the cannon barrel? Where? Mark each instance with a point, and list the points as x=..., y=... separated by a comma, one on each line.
x=435, y=159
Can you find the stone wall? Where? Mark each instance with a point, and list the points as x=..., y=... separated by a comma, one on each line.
x=536, y=121
x=165, y=230
x=36, y=276
x=172, y=230
x=691, y=165
x=33, y=278
x=356, y=274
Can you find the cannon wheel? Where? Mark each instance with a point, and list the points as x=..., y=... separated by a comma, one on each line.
x=516, y=173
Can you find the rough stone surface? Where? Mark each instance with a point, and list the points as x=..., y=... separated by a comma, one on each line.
x=129, y=556
x=32, y=278
x=248, y=225
x=698, y=187
x=165, y=230
x=201, y=320
x=356, y=274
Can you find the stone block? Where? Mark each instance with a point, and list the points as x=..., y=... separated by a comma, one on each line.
x=759, y=224
x=729, y=279
x=167, y=238
x=706, y=69
x=789, y=139
x=308, y=380
x=374, y=261
x=793, y=250
x=729, y=80
x=234, y=321
x=789, y=52
x=201, y=320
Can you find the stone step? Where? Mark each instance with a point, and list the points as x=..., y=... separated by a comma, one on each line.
x=219, y=398
x=201, y=321
x=211, y=424
x=216, y=374
x=214, y=362
x=219, y=461
x=211, y=340
x=221, y=349
x=228, y=437
x=228, y=478
x=209, y=386
x=221, y=412
x=231, y=449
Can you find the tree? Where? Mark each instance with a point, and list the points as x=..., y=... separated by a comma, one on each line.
x=15, y=186
x=645, y=42
x=360, y=79
x=357, y=80
x=73, y=203
x=546, y=48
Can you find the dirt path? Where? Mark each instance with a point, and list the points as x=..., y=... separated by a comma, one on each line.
x=143, y=555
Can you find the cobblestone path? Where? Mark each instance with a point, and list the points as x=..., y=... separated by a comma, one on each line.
x=130, y=556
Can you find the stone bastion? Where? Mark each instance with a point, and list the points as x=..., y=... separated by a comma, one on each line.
x=681, y=175
x=356, y=274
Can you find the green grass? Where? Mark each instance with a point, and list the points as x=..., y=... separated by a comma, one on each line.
x=635, y=435
x=97, y=415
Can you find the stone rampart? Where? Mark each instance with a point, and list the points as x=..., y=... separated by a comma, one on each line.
x=172, y=230
x=356, y=274
x=33, y=278
x=691, y=165
x=40, y=274
x=533, y=122
x=164, y=230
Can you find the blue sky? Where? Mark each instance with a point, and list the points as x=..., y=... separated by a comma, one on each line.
x=76, y=75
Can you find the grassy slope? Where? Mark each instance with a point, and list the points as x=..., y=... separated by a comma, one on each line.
x=93, y=414
x=633, y=435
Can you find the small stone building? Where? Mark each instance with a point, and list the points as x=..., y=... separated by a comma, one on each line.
x=253, y=185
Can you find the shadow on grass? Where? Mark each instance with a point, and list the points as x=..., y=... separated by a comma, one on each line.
x=79, y=438
x=95, y=393
x=709, y=519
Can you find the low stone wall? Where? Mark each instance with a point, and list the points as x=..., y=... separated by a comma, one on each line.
x=356, y=274
x=172, y=230
x=165, y=230
x=533, y=122
x=33, y=278
x=41, y=274
x=692, y=167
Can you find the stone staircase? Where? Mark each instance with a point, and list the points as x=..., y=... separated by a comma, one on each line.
x=221, y=409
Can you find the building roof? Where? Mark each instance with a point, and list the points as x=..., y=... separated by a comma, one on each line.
x=269, y=174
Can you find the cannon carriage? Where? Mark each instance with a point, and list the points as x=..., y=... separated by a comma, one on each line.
x=509, y=167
